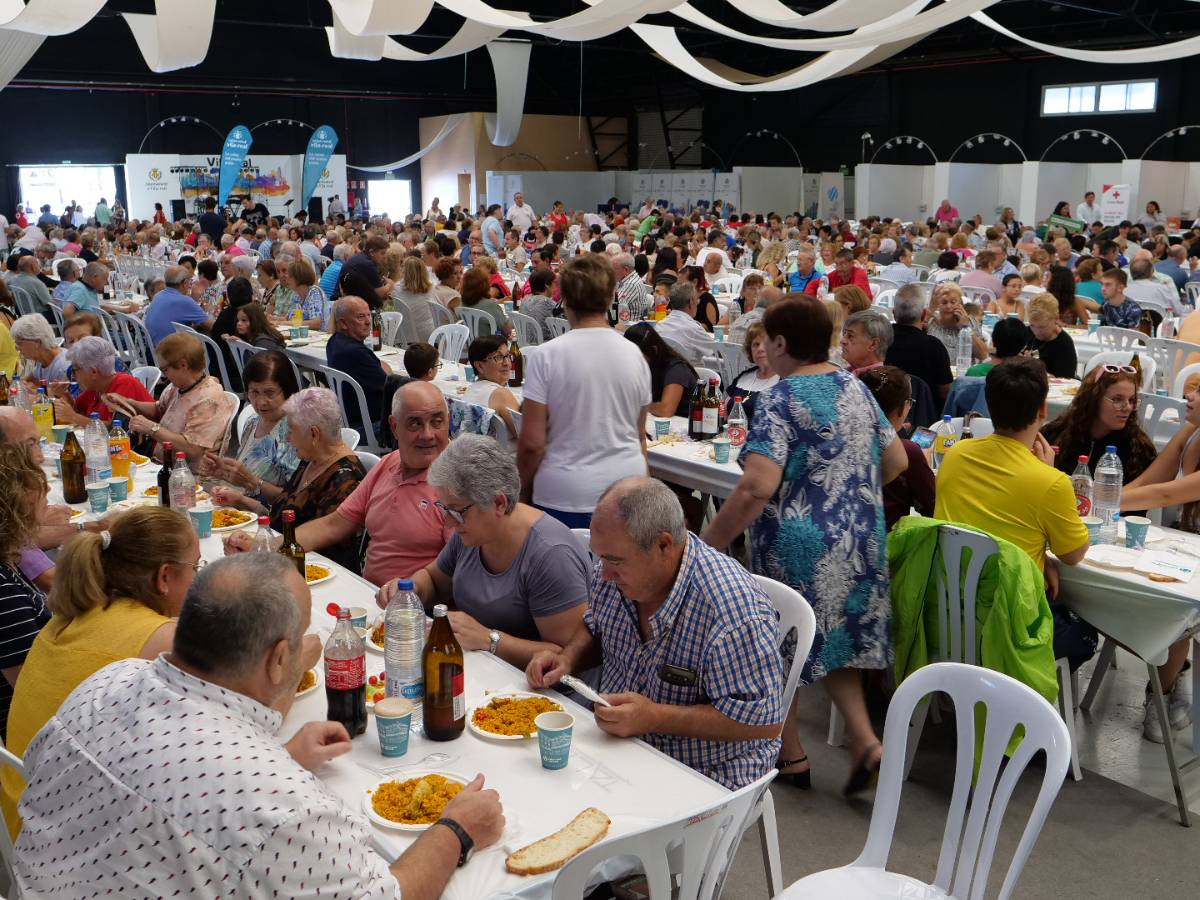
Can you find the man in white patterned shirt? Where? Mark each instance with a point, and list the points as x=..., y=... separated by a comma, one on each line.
x=165, y=778
x=680, y=328
x=630, y=286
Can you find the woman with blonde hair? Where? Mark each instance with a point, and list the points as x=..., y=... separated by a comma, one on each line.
x=771, y=262
x=413, y=296
x=837, y=315
x=852, y=298
x=116, y=594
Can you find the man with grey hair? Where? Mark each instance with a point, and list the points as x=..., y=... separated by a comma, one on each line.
x=518, y=577
x=919, y=354
x=900, y=270
x=236, y=806
x=767, y=296
x=680, y=328
x=174, y=304
x=866, y=337
x=93, y=367
x=347, y=352
x=630, y=287
x=28, y=278
x=687, y=642
x=86, y=293
x=1145, y=286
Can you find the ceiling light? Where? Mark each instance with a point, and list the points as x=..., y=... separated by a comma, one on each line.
x=908, y=141
x=1007, y=142
x=969, y=145
x=1075, y=135
x=1182, y=131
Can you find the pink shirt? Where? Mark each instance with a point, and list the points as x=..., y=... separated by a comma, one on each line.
x=946, y=215
x=407, y=529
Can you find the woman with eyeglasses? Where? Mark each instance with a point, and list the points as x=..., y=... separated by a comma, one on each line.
x=493, y=366
x=116, y=595
x=517, y=577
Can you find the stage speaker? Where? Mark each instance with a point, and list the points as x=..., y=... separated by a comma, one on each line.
x=178, y=210
x=316, y=210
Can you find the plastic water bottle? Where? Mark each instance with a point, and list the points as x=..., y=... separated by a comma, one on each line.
x=1106, y=494
x=1081, y=483
x=404, y=627
x=965, y=356
x=96, y=451
x=183, y=484
x=943, y=440
x=263, y=541
x=736, y=426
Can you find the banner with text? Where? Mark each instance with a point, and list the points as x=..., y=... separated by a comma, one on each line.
x=832, y=203
x=151, y=178
x=233, y=154
x=1114, y=204
x=316, y=158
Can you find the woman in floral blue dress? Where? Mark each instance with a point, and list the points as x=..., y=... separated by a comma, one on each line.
x=815, y=462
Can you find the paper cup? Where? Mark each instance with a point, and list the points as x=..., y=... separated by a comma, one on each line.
x=294, y=332
x=721, y=449
x=554, y=738
x=393, y=718
x=1136, y=529
x=99, y=496
x=508, y=306
x=662, y=427
x=469, y=371
x=1093, y=326
x=201, y=517
x=719, y=332
x=990, y=320
x=118, y=488
x=303, y=329
x=61, y=432
x=358, y=617
x=1093, y=524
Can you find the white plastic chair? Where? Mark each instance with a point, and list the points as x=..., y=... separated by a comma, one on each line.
x=480, y=322
x=7, y=853
x=392, y=322
x=708, y=374
x=348, y=390
x=733, y=360
x=970, y=837
x=242, y=353
x=709, y=837
x=1181, y=379
x=584, y=536
x=368, y=460
x=142, y=345
x=1111, y=338
x=214, y=353
x=149, y=376
x=1152, y=414
x=557, y=326
x=727, y=284
x=59, y=319
x=878, y=285
x=1154, y=306
x=450, y=341
x=1192, y=289
x=25, y=304
x=978, y=294
x=980, y=427
x=351, y=437
x=529, y=332
x=441, y=315
x=1170, y=356
x=1125, y=358
x=886, y=299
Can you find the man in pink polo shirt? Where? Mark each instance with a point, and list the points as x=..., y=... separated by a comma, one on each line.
x=394, y=502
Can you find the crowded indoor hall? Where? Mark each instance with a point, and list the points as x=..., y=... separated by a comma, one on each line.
x=608, y=450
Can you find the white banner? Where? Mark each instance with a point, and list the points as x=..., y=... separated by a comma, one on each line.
x=151, y=178
x=642, y=187
x=729, y=190
x=662, y=187
x=832, y=203
x=1114, y=204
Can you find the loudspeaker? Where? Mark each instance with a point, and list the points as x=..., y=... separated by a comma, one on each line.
x=316, y=210
x=178, y=210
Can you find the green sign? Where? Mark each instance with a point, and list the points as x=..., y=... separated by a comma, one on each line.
x=1064, y=222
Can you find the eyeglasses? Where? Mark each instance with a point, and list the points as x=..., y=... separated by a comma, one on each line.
x=1123, y=402
x=498, y=358
x=455, y=514
x=195, y=567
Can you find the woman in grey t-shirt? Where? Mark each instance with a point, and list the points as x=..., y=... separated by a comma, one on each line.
x=517, y=578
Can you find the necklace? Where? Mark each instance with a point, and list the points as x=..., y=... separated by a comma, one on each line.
x=313, y=477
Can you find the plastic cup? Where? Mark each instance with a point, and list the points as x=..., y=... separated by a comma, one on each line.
x=721, y=449
x=469, y=371
x=303, y=329
x=393, y=719
x=1136, y=529
x=99, y=496
x=1093, y=524
x=990, y=320
x=294, y=332
x=1093, y=326
x=61, y=432
x=662, y=427
x=201, y=517
x=719, y=332
x=554, y=731
x=118, y=488
x=358, y=617
x=508, y=306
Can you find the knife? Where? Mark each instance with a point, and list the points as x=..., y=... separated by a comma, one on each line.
x=581, y=687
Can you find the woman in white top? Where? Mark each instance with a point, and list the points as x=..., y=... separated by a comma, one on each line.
x=1153, y=216
x=415, y=296
x=448, y=271
x=759, y=377
x=493, y=366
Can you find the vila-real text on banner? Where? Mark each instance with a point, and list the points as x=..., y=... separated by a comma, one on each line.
x=233, y=154
x=316, y=158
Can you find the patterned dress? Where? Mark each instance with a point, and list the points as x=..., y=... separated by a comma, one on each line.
x=823, y=532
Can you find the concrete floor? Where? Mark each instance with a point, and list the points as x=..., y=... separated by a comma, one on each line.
x=1113, y=835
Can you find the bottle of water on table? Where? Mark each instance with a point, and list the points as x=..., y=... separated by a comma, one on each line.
x=1106, y=494
x=966, y=353
x=404, y=643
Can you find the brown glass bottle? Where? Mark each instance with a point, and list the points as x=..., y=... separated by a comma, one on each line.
x=3, y=389
x=73, y=462
x=289, y=547
x=164, y=474
x=517, y=378
x=445, y=709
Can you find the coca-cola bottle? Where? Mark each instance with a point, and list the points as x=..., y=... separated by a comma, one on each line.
x=346, y=675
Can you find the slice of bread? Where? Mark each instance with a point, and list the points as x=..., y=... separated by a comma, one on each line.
x=556, y=850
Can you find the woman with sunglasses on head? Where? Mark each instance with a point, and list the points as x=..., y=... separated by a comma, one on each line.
x=517, y=577
x=493, y=366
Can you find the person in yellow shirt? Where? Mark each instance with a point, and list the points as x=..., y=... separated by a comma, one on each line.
x=10, y=358
x=1006, y=485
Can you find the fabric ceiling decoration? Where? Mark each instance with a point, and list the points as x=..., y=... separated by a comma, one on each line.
x=1158, y=53
x=448, y=128
x=841, y=15
x=16, y=48
x=48, y=18
x=510, y=61
x=176, y=36
x=381, y=17
x=603, y=17
x=344, y=45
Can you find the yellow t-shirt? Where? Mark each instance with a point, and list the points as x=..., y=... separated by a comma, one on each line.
x=9, y=358
x=997, y=485
x=65, y=654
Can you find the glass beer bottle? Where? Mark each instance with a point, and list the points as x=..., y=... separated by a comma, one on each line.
x=290, y=548
x=72, y=462
x=445, y=709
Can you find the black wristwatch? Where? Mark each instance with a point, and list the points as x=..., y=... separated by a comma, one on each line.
x=464, y=840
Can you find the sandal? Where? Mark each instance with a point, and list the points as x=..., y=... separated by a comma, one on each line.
x=865, y=775
x=801, y=780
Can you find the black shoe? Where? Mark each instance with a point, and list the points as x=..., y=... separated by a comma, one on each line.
x=802, y=780
x=865, y=774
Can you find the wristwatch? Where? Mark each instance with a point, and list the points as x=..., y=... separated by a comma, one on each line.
x=154, y=429
x=494, y=638
x=464, y=840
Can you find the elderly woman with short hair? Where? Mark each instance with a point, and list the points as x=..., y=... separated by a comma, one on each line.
x=329, y=473
x=193, y=412
x=94, y=365
x=36, y=342
x=518, y=578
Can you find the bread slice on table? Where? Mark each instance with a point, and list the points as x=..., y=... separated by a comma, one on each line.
x=555, y=850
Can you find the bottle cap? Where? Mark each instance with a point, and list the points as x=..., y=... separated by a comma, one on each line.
x=94, y=416
x=333, y=609
x=439, y=610
x=264, y=520
x=404, y=584
x=1111, y=448
x=1083, y=457
x=289, y=515
x=180, y=455
x=945, y=418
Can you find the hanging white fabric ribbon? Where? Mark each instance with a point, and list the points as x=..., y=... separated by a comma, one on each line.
x=510, y=62
x=1157, y=53
x=603, y=17
x=451, y=123
x=343, y=45
x=176, y=36
x=49, y=18
x=381, y=17
x=16, y=49
x=841, y=15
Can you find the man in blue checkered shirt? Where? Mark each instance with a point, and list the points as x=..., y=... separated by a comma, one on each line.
x=686, y=640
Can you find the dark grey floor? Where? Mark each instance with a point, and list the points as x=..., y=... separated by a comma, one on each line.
x=1102, y=839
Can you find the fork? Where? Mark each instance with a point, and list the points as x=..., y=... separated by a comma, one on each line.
x=431, y=759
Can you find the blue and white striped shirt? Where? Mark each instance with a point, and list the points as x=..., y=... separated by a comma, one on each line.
x=717, y=623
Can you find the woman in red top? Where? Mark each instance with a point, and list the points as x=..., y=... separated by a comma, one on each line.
x=558, y=217
x=160, y=217
x=94, y=361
